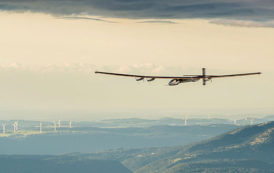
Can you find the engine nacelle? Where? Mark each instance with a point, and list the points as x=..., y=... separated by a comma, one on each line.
x=139, y=79
x=174, y=82
x=151, y=79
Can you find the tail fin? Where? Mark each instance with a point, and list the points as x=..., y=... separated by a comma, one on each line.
x=204, y=75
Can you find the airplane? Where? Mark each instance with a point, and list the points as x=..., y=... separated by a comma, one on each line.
x=176, y=80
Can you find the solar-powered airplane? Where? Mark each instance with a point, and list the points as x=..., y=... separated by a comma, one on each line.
x=176, y=80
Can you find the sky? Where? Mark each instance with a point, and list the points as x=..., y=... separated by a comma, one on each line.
x=51, y=48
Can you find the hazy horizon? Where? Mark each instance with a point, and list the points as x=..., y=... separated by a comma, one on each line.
x=49, y=55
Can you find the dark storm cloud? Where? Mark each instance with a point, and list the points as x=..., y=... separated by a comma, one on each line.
x=233, y=9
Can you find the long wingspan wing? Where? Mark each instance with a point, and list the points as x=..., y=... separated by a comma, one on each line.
x=231, y=75
x=152, y=77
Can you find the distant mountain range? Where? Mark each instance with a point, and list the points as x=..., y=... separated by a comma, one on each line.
x=134, y=122
x=247, y=149
x=244, y=150
x=93, y=139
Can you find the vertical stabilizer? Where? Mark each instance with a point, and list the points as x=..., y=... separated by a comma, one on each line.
x=204, y=76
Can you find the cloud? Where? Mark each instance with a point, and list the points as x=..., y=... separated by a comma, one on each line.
x=242, y=23
x=231, y=9
x=85, y=68
x=159, y=21
x=86, y=18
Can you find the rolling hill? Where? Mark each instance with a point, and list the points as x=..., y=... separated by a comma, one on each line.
x=247, y=149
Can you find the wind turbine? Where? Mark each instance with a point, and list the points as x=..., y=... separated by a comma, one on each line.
x=185, y=120
x=41, y=130
x=54, y=126
x=15, y=127
x=4, y=128
x=59, y=123
x=235, y=122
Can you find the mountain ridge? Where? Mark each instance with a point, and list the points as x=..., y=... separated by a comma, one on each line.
x=247, y=149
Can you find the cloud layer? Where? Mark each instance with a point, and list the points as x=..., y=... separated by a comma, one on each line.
x=242, y=23
x=233, y=9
